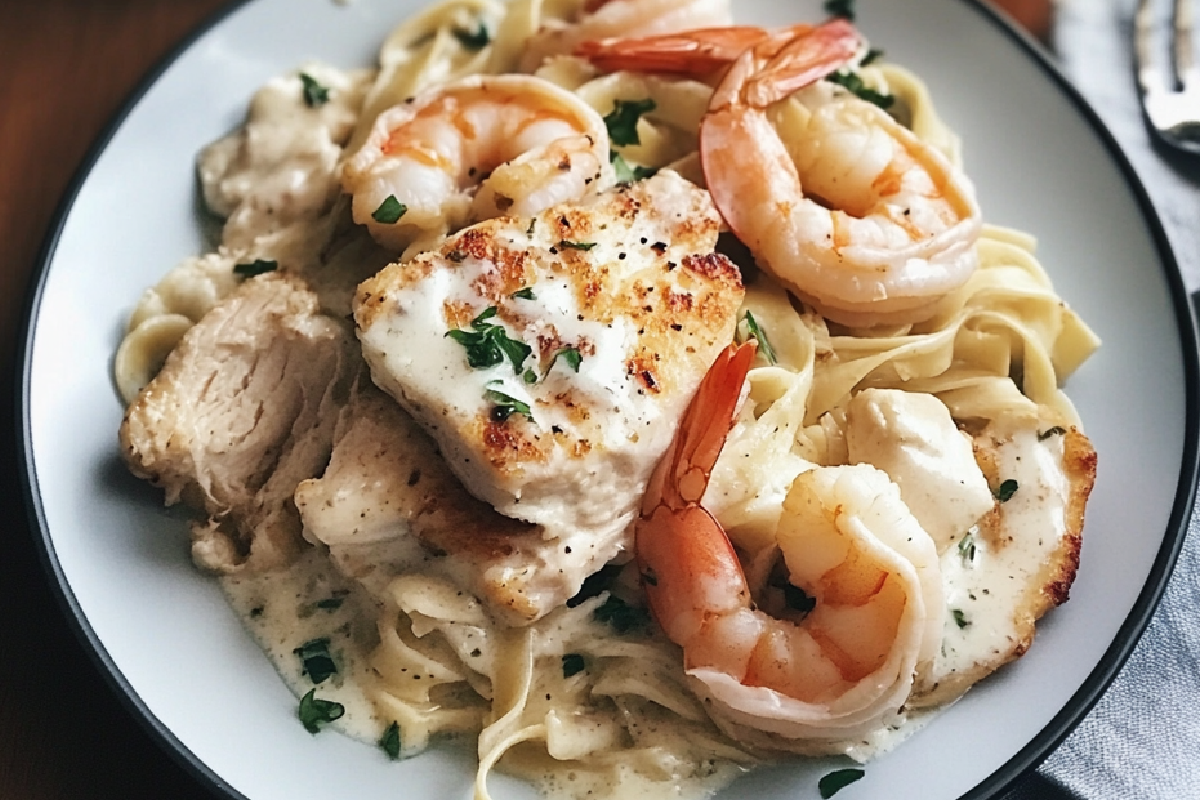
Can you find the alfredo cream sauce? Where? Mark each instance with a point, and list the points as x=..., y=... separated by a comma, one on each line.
x=987, y=574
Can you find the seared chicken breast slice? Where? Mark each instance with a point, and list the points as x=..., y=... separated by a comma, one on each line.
x=388, y=505
x=552, y=357
x=244, y=409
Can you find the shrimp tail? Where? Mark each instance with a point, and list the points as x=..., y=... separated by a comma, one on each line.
x=683, y=473
x=673, y=522
x=694, y=53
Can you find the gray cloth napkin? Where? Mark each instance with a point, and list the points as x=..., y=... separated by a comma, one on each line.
x=1142, y=740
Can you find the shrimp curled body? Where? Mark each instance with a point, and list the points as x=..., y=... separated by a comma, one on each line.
x=837, y=199
x=475, y=149
x=826, y=650
x=842, y=203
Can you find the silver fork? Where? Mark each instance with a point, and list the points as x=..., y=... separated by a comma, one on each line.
x=1170, y=93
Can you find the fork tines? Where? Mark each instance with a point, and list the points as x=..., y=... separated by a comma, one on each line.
x=1170, y=93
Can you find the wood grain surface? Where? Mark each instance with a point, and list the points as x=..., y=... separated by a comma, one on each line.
x=66, y=67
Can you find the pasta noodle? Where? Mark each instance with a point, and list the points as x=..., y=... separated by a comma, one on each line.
x=629, y=723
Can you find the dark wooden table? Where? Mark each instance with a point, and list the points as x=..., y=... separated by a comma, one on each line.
x=66, y=67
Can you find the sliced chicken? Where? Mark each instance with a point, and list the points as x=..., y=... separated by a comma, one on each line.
x=551, y=358
x=243, y=410
x=388, y=504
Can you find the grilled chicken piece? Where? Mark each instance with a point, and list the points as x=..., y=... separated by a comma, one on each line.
x=388, y=504
x=1021, y=559
x=551, y=358
x=243, y=410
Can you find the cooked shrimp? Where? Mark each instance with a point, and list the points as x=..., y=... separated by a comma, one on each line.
x=475, y=149
x=601, y=19
x=694, y=53
x=857, y=602
x=839, y=201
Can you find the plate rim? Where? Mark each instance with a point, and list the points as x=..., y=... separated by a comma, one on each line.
x=1004, y=777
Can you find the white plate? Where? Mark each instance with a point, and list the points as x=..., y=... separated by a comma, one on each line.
x=161, y=629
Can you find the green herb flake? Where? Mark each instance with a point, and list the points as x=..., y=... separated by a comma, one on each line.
x=257, y=267
x=567, y=245
x=474, y=40
x=960, y=619
x=873, y=55
x=1057, y=430
x=622, y=120
x=489, y=344
x=620, y=615
x=334, y=601
x=837, y=780
x=797, y=599
x=572, y=664
x=853, y=82
x=1007, y=489
x=530, y=376
x=966, y=548
x=759, y=335
x=315, y=95
x=314, y=711
x=504, y=405
x=390, y=211
x=600, y=581
x=840, y=8
x=532, y=225
x=523, y=294
x=318, y=663
x=570, y=356
x=627, y=174
x=390, y=741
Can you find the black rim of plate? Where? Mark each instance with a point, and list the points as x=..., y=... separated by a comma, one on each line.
x=1032, y=754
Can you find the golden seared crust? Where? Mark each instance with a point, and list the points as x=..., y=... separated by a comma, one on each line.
x=243, y=410
x=386, y=484
x=1045, y=583
x=628, y=280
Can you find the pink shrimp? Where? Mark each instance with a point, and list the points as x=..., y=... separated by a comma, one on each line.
x=828, y=648
x=840, y=202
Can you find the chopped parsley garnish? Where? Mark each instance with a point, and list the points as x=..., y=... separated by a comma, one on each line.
x=315, y=94
x=523, y=294
x=854, y=83
x=334, y=601
x=966, y=548
x=622, y=120
x=570, y=355
x=529, y=376
x=840, y=8
x=599, y=581
x=837, y=780
x=314, y=711
x=256, y=267
x=390, y=741
x=489, y=344
x=532, y=225
x=506, y=405
x=960, y=619
x=622, y=616
x=797, y=599
x=628, y=174
x=474, y=40
x=390, y=211
x=759, y=335
x=1007, y=489
x=565, y=245
x=572, y=664
x=318, y=663
x=1057, y=430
